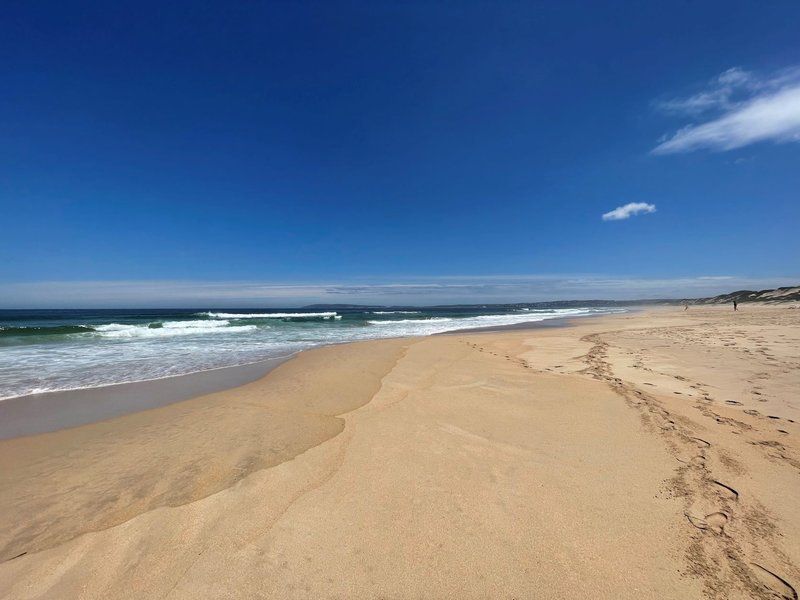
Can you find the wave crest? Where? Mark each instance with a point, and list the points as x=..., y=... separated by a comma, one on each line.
x=423, y=321
x=168, y=329
x=314, y=315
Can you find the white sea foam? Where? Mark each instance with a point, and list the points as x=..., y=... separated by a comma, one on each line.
x=199, y=324
x=396, y=321
x=102, y=378
x=169, y=329
x=312, y=315
x=414, y=327
x=395, y=312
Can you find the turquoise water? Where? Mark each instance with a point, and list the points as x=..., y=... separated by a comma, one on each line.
x=49, y=350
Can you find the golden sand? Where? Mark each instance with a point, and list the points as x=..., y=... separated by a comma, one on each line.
x=649, y=455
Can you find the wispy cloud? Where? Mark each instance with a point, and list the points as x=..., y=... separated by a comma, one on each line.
x=408, y=291
x=738, y=109
x=629, y=210
x=721, y=93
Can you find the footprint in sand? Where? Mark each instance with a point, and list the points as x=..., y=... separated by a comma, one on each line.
x=733, y=402
x=701, y=442
x=715, y=521
x=726, y=490
x=774, y=583
x=698, y=460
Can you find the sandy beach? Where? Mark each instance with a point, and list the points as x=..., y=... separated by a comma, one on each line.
x=653, y=454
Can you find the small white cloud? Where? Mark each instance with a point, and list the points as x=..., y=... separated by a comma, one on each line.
x=629, y=210
x=749, y=110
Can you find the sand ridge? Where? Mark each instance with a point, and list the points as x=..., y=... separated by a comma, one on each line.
x=63, y=484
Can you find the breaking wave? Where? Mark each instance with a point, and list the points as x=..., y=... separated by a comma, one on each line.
x=396, y=321
x=168, y=329
x=311, y=315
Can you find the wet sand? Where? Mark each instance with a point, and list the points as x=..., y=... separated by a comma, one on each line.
x=648, y=455
x=51, y=411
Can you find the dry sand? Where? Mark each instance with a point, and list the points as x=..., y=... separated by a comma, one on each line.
x=649, y=455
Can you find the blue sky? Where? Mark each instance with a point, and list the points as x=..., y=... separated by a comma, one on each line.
x=410, y=152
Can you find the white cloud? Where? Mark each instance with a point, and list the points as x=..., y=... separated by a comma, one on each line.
x=721, y=93
x=629, y=210
x=749, y=110
x=775, y=117
x=734, y=77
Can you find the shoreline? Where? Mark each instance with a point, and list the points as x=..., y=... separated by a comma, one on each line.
x=45, y=412
x=566, y=321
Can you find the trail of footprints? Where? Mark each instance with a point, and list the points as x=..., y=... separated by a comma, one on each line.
x=710, y=504
x=773, y=449
x=704, y=402
x=518, y=361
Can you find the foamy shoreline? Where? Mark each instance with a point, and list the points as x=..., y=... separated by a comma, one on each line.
x=72, y=350
x=42, y=412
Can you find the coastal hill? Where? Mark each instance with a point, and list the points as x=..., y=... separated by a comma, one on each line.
x=781, y=294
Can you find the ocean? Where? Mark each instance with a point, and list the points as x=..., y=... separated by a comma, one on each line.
x=55, y=350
